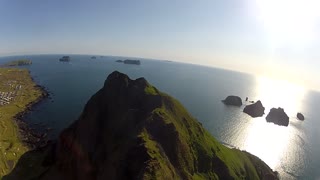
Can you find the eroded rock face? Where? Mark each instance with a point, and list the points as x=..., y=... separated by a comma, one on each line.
x=130, y=130
x=233, y=101
x=254, y=110
x=278, y=116
x=300, y=116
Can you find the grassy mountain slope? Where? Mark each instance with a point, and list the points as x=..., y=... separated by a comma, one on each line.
x=131, y=130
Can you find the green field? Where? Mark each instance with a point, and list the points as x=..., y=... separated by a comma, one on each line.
x=18, y=85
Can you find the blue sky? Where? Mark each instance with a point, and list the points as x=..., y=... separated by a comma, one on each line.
x=265, y=37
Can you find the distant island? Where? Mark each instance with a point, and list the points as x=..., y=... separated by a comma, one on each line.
x=129, y=61
x=65, y=59
x=93, y=57
x=20, y=62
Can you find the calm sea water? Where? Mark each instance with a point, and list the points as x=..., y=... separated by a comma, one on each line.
x=294, y=151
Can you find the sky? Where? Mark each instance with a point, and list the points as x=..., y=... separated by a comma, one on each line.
x=274, y=38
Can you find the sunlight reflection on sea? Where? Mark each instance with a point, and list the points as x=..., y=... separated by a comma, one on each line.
x=272, y=143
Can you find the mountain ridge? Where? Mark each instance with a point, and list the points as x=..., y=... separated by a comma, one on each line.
x=131, y=130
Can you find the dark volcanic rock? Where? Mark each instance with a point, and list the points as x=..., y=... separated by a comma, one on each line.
x=300, y=116
x=233, y=100
x=278, y=116
x=254, y=110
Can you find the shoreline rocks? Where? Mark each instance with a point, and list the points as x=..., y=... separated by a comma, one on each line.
x=278, y=116
x=233, y=101
x=32, y=138
x=254, y=110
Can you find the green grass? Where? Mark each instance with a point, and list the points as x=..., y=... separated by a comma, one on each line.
x=150, y=90
x=11, y=147
x=158, y=166
x=196, y=145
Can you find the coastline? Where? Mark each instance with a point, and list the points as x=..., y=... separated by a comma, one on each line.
x=16, y=135
x=31, y=137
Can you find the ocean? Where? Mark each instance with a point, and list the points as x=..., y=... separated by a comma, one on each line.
x=293, y=151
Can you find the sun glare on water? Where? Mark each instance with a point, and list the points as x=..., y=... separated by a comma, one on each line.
x=268, y=141
x=280, y=93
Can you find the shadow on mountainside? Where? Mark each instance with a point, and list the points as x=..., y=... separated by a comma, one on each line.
x=30, y=165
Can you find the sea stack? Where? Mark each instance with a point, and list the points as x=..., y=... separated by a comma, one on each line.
x=278, y=116
x=300, y=116
x=233, y=101
x=254, y=110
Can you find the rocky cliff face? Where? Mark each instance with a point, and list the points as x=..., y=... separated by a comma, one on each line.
x=131, y=130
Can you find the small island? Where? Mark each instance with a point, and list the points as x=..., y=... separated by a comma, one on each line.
x=254, y=110
x=300, y=116
x=20, y=62
x=278, y=116
x=233, y=101
x=65, y=59
x=129, y=61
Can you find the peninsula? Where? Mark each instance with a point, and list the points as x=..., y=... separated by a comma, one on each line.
x=131, y=130
x=17, y=93
x=20, y=62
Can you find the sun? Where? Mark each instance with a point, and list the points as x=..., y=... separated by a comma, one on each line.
x=280, y=93
x=289, y=22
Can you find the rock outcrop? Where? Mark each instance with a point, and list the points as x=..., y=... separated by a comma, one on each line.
x=278, y=116
x=65, y=59
x=233, y=100
x=254, y=110
x=300, y=116
x=131, y=130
